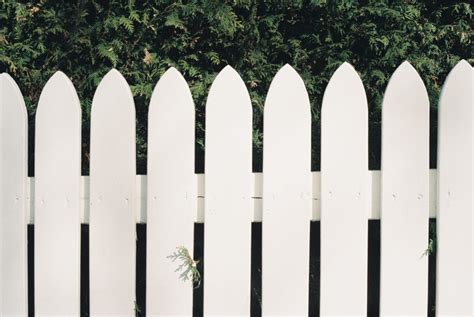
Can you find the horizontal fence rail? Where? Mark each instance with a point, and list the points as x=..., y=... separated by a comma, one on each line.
x=141, y=195
x=314, y=238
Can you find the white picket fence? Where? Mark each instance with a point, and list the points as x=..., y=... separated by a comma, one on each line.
x=285, y=197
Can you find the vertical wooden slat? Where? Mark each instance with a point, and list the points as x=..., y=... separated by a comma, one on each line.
x=112, y=215
x=171, y=197
x=344, y=195
x=13, y=193
x=228, y=204
x=286, y=196
x=405, y=202
x=455, y=207
x=57, y=199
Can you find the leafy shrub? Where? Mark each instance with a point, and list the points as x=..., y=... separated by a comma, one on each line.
x=143, y=38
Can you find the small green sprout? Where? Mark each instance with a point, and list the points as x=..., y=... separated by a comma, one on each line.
x=430, y=250
x=188, y=266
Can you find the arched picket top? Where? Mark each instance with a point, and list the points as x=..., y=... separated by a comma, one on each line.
x=404, y=194
x=455, y=189
x=57, y=199
x=228, y=192
x=286, y=196
x=112, y=192
x=344, y=204
x=171, y=194
x=13, y=199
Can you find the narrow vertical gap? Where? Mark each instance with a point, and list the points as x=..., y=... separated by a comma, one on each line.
x=432, y=268
x=31, y=269
x=84, y=297
x=314, y=268
x=198, y=292
x=140, y=280
x=373, y=269
x=256, y=271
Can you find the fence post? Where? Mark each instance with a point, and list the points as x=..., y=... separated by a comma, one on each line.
x=286, y=196
x=171, y=199
x=405, y=201
x=13, y=199
x=455, y=205
x=112, y=188
x=228, y=192
x=344, y=195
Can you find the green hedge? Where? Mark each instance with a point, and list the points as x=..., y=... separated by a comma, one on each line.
x=142, y=39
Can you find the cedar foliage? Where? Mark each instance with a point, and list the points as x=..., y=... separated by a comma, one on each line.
x=142, y=39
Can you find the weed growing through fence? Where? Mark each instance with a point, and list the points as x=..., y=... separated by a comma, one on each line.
x=187, y=267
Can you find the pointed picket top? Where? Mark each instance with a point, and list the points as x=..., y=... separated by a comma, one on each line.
x=171, y=186
x=172, y=80
x=228, y=204
x=344, y=78
x=113, y=85
x=287, y=84
x=59, y=88
x=455, y=188
x=404, y=194
x=407, y=83
x=11, y=91
x=227, y=82
x=344, y=205
x=461, y=71
x=13, y=199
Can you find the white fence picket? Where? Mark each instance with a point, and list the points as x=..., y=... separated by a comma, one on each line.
x=13, y=199
x=455, y=205
x=171, y=197
x=57, y=199
x=286, y=196
x=404, y=195
x=228, y=203
x=112, y=187
x=344, y=204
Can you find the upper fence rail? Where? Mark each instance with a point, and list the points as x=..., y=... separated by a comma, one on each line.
x=228, y=197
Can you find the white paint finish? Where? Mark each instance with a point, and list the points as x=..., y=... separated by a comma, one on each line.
x=404, y=194
x=454, y=235
x=141, y=197
x=171, y=194
x=13, y=200
x=286, y=196
x=228, y=204
x=344, y=204
x=112, y=186
x=57, y=199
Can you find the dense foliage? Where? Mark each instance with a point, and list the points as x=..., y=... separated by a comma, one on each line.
x=143, y=38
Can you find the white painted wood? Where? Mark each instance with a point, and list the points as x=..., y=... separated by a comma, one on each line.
x=13, y=203
x=228, y=204
x=286, y=196
x=454, y=235
x=57, y=199
x=344, y=204
x=405, y=188
x=171, y=194
x=141, y=196
x=112, y=214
